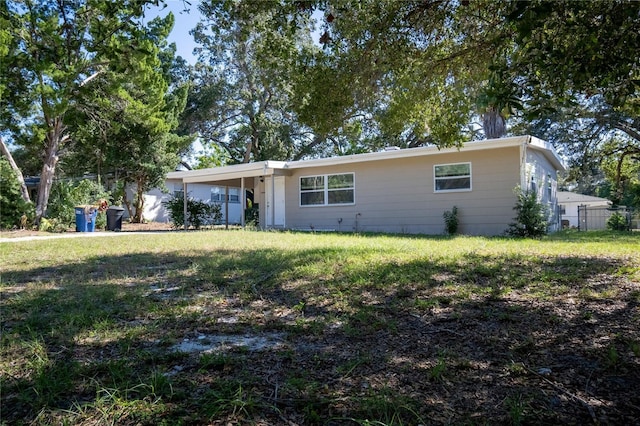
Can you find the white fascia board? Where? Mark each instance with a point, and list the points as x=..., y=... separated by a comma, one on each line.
x=410, y=152
x=262, y=168
x=267, y=168
x=548, y=151
x=574, y=197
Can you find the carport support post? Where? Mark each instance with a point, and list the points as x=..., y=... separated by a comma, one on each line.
x=184, y=205
x=273, y=201
x=226, y=207
x=243, y=201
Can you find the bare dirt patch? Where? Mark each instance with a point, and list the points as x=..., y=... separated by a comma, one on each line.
x=126, y=227
x=301, y=330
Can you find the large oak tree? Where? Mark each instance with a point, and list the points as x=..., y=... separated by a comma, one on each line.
x=579, y=69
x=244, y=83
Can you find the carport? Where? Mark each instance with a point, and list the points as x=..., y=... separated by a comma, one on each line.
x=243, y=176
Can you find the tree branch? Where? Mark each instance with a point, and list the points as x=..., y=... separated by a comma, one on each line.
x=626, y=128
x=23, y=186
x=91, y=77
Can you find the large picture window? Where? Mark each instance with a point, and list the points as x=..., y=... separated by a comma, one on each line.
x=326, y=190
x=452, y=177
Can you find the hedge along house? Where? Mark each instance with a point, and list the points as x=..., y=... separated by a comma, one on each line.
x=397, y=191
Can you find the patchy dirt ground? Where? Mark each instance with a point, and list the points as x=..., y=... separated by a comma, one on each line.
x=126, y=227
x=318, y=337
x=485, y=361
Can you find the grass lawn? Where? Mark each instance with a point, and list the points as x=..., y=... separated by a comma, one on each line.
x=234, y=327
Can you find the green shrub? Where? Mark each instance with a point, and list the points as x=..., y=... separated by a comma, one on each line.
x=199, y=213
x=52, y=225
x=531, y=218
x=14, y=211
x=252, y=216
x=61, y=202
x=451, y=220
x=618, y=222
x=66, y=195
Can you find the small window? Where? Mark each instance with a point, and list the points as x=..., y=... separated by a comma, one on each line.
x=452, y=177
x=326, y=190
x=178, y=191
x=218, y=197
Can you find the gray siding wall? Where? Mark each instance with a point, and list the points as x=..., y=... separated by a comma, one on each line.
x=541, y=172
x=398, y=195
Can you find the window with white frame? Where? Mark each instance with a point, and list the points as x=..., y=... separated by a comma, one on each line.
x=324, y=190
x=178, y=191
x=452, y=177
x=218, y=197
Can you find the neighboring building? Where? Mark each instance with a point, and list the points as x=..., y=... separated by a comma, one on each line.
x=397, y=191
x=570, y=202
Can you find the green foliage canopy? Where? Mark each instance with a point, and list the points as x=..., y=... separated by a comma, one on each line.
x=56, y=50
x=128, y=121
x=241, y=100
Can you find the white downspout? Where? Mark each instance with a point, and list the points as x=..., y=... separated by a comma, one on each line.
x=273, y=200
x=523, y=165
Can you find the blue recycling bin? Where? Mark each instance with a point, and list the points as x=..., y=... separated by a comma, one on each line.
x=85, y=219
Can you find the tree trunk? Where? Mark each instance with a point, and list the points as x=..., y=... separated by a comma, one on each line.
x=55, y=138
x=127, y=204
x=23, y=187
x=619, y=183
x=493, y=123
x=138, y=204
x=247, y=152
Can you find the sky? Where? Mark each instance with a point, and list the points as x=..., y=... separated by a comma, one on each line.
x=185, y=22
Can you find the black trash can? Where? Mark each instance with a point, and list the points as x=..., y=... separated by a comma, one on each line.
x=114, y=218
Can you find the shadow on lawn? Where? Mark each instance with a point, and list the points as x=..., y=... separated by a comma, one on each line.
x=471, y=339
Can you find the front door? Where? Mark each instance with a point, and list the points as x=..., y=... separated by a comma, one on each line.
x=274, y=198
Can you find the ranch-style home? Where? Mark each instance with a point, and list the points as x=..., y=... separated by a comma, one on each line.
x=396, y=190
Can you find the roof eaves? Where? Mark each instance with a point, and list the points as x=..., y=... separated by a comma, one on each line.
x=410, y=152
x=574, y=197
x=548, y=150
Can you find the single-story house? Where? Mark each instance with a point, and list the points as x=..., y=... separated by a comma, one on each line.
x=395, y=191
x=569, y=203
